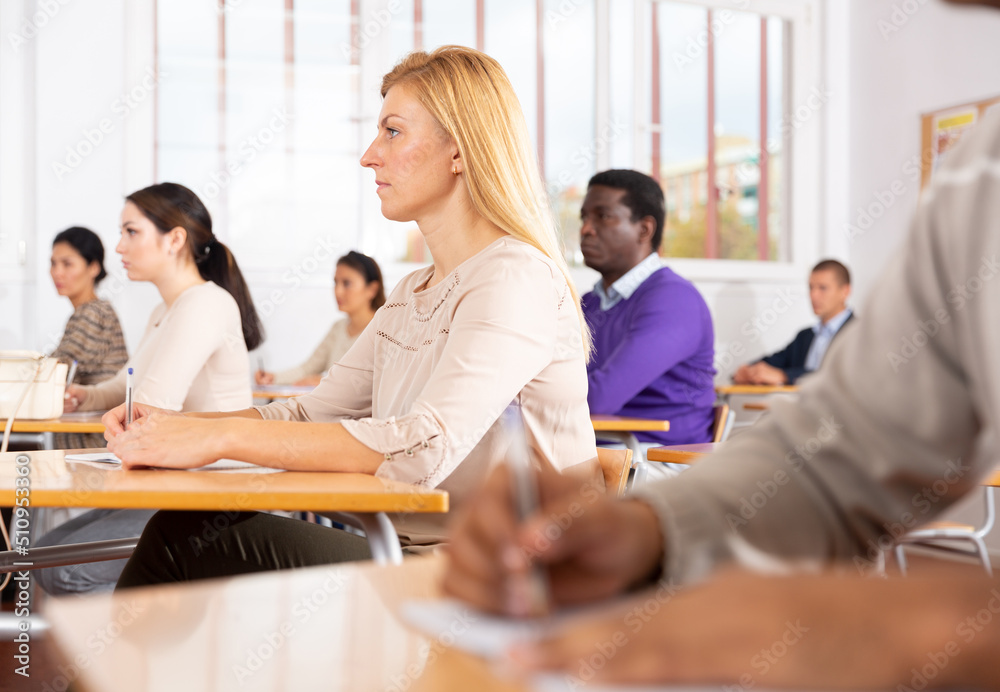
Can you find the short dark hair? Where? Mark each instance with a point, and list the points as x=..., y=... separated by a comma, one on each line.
x=87, y=243
x=643, y=196
x=369, y=269
x=832, y=265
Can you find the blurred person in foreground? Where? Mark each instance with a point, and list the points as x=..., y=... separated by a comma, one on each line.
x=899, y=424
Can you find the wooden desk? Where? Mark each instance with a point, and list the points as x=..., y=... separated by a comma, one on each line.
x=755, y=389
x=279, y=391
x=325, y=628
x=621, y=424
x=681, y=454
x=42, y=432
x=690, y=454
x=58, y=483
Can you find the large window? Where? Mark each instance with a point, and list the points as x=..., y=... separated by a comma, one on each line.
x=256, y=113
x=728, y=104
x=265, y=107
x=715, y=119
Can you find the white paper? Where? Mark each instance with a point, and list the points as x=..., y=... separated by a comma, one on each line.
x=484, y=635
x=490, y=637
x=107, y=459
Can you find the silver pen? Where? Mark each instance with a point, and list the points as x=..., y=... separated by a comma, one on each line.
x=72, y=372
x=531, y=593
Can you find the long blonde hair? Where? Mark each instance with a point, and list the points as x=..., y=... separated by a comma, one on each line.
x=469, y=95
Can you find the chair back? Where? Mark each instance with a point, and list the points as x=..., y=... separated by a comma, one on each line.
x=990, y=514
x=723, y=423
x=615, y=464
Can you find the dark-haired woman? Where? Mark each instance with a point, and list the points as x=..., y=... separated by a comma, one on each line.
x=357, y=287
x=93, y=335
x=192, y=357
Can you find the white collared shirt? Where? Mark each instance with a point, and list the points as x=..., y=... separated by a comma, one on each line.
x=824, y=334
x=629, y=283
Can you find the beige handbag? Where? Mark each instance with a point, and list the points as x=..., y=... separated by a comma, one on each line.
x=32, y=385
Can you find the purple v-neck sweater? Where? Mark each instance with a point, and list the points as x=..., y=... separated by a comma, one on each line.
x=653, y=356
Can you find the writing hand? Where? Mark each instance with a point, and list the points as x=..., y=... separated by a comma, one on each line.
x=165, y=439
x=114, y=420
x=593, y=546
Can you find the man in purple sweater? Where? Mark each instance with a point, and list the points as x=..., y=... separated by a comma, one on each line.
x=653, y=337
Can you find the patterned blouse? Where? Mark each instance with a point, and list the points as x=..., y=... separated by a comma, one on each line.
x=93, y=338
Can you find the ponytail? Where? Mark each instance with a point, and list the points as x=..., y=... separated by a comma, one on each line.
x=169, y=205
x=218, y=265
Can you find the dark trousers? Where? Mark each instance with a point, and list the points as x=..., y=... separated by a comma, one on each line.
x=184, y=546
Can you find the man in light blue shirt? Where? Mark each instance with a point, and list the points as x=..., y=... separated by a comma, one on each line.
x=829, y=289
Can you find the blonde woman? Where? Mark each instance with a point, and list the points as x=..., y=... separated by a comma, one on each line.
x=417, y=399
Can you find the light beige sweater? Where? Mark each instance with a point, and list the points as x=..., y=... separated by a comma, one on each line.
x=885, y=437
x=192, y=357
x=427, y=380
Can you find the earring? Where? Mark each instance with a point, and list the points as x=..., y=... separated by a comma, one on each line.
x=455, y=170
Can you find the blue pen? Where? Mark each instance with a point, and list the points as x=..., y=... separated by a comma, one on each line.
x=128, y=399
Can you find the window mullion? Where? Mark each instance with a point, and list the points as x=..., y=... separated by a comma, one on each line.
x=712, y=192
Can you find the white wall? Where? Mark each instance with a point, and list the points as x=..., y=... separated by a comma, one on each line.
x=940, y=56
x=73, y=97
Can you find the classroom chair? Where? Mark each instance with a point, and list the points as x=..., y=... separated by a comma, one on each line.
x=615, y=465
x=942, y=535
x=724, y=419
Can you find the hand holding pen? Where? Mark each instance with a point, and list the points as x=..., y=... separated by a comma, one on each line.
x=592, y=545
x=74, y=395
x=117, y=420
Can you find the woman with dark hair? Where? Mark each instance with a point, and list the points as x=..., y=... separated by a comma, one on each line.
x=192, y=357
x=93, y=335
x=357, y=286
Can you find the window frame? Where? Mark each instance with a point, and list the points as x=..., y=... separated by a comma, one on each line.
x=802, y=220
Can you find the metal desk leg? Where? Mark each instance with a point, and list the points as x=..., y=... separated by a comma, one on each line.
x=10, y=626
x=382, y=538
x=37, y=439
x=71, y=554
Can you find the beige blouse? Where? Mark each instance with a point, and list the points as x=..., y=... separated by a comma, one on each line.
x=335, y=344
x=192, y=357
x=427, y=380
